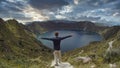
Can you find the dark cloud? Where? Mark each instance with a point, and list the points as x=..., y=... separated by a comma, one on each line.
x=1, y=1
x=15, y=9
x=85, y=18
x=47, y=4
x=118, y=5
x=12, y=9
x=2, y=10
x=92, y=10
x=109, y=1
x=96, y=3
x=6, y=6
x=90, y=18
x=17, y=6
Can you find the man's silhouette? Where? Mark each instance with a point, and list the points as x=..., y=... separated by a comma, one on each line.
x=56, y=41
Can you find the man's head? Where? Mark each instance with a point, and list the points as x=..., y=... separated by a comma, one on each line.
x=56, y=34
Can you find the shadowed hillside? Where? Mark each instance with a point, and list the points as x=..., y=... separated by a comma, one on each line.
x=39, y=27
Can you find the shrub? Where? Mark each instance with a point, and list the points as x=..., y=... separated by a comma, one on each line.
x=112, y=56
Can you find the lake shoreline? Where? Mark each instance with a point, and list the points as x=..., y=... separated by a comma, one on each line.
x=80, y=38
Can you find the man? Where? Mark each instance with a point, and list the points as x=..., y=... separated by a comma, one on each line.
x=56, y=42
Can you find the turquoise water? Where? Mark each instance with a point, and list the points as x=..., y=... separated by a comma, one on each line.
x=78, y=39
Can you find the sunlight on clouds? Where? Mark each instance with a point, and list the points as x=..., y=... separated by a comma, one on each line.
x=66, y=9
x=76, y=2
x=116, y=14
x=35, y=14
x=14, y=1
x=11, y=0
x=60, y=17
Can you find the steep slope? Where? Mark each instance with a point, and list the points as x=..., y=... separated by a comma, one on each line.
x=98, y=51
x=111, y=32
x=19, y=47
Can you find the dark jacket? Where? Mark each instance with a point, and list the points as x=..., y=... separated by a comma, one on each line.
x=57, y=41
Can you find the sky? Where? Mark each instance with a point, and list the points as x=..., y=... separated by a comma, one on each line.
x=100, y=11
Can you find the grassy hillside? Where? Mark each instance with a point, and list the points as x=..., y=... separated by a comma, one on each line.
x=97, y=51
x=19, y=47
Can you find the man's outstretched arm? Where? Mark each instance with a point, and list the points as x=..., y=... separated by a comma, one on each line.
x=47, y=39
x=66, y=37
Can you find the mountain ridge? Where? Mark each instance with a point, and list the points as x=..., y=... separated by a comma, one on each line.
x=73, y=25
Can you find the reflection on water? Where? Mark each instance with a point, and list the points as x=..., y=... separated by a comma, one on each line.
x=78, y=39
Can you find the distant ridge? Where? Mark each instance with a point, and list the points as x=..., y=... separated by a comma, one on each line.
x=38, y=27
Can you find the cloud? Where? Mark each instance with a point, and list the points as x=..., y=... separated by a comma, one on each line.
x=41, y=10
x=76, y=2
x=6, y=6
x=34, y=14
x=60, y=17
x=65, y=9
x=90, y=18
x=97, y=2
x=116, y=14
x=1, y=1
x=118, y=5
x=47, y=4
x=13, y=9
